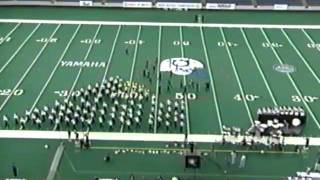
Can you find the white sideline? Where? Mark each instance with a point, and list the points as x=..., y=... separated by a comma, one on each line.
x=29, y=134
x=274, y=26
x=150, y=137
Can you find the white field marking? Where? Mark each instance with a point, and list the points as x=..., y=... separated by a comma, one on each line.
x=55, y=68
x=158, y=76
x=110, y=58
x=291, y=79
x=29, y=68
x=185, y=83
x=211, y=79
x=310, y=39
x=151, y=137
x=259, y=67
x=273, y=26
x=133, y=65
x=70, y=162
x=135, y=55
x=237, y=77
x=12, y=31
x=84, y=59
x=19, y=48
x=301, y=56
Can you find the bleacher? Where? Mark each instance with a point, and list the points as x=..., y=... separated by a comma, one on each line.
x=313, y=2
x=130, y=0
x=178, y=1
x=238, y=2
x=313, y=5
x=272, y=2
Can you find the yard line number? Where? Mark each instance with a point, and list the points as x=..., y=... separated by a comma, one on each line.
x=65, y=93
x=190, y=96
x=228, y=43
x=133, y=42
x=272, y=44
x=47, y=40
x=309, y=99
x=7, y=92
x=184, y=43
x=309, y=45
x=4, y=39
x=89, y=41
x=247, y=97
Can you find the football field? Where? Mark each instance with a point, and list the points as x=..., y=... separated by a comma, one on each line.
x=244, y=65
x=217, y=74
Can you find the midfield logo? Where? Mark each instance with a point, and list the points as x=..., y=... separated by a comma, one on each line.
x=180, y=66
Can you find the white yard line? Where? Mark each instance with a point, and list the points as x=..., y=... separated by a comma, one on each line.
x=157, y=86
x=133, y=65
x=29, y=68
x=185, y=83
x=84, y=59
x=292, y=81
x=301, y=56
x=19, y=48
x=178, y=24
x=211, y=79
x=310, y=39
x=12, y=31
x=259, y=67
x=135, y=54
x=70, y=162
x=151, y=137
x=55, y=68
x=237, y=76
x=110, y=58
